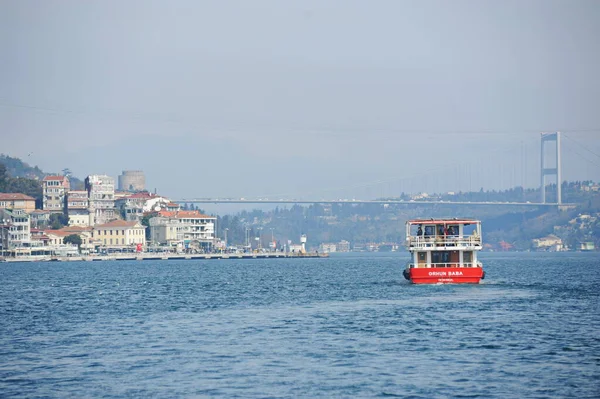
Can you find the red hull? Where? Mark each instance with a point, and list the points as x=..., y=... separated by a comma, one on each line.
x=446, y=275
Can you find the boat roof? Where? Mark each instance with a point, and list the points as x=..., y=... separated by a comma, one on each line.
x=442, y=221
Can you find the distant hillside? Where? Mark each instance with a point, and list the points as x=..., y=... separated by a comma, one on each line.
x=16, y=168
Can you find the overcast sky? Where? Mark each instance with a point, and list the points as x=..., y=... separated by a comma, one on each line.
x=310, y=98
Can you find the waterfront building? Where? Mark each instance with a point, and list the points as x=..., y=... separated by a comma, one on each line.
x=52, y=242
x=548, y=243
x=55, y=238
x=39, y=237
x=119, y=234
x=343, y=246
x=14, y=201
x=327, y=247
x=132, y=181
x=54, y=193
x=185, y=229
x=587, y=246
x=101, y=196
x=15, y=231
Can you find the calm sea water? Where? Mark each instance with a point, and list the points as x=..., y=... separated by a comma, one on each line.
x=349, y=326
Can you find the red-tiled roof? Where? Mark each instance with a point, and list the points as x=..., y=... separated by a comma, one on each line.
x=116, y=223
x=183, y=214
x=40, y=237
x=143, y=194
x=76, y=229
x=57, y=233
x=47, y=178
x=15, y=196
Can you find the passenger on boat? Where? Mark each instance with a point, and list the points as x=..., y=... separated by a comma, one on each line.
x=419, y=231
x=428, y=231
x=451, y=233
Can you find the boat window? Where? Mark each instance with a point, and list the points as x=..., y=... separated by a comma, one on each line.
x=440, y=257
x=468, y=256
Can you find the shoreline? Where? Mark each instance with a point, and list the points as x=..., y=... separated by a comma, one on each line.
x=149, y=256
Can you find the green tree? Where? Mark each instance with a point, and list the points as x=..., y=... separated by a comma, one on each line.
x=26, y=186
x=73, y=239
x=146, y=223
x=3, y=177
x=58, y=220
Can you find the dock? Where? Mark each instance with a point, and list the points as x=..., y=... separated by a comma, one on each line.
x=165, y=256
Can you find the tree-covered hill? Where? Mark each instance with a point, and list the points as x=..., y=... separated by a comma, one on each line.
x=16, y=168
x=23, y=185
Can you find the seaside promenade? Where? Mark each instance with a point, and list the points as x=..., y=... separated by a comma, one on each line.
x=167, y=256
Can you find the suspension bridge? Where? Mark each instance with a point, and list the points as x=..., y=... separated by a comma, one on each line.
x=550, y=172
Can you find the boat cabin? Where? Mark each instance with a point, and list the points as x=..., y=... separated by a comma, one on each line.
x=443, y=242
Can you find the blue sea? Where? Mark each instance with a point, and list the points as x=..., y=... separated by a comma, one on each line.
x=345, y=327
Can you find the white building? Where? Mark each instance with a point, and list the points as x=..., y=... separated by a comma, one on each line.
x=133, y=207
x=101, y=196
x=190, y=229
x=78, y=208
x=343, y=246
x=327, y=247
x=15, y=231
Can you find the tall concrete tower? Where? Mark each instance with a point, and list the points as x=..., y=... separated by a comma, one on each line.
x=132, y=180
x=546, y=137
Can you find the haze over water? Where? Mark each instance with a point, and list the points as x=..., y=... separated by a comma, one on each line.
x=348, y=326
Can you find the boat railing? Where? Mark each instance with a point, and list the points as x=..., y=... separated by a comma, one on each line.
x=446, y=264
x=472, y=241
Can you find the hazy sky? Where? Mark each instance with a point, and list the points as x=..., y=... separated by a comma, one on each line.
x=309, y=98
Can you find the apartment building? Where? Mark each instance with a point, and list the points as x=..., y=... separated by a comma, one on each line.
x=14, y=201
x=39, y=217
x=54, y=193
x=15, y=231
x=78, y=208
x=186, y=228
x=101, y=196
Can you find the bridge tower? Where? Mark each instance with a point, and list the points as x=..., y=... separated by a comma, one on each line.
x=556, y=171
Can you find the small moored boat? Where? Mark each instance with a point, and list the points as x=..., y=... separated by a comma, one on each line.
x=443, y=251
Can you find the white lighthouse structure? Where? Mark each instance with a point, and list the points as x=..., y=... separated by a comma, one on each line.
x=303, y=243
